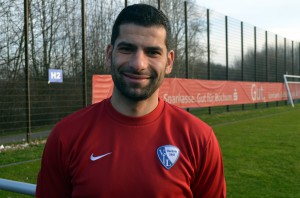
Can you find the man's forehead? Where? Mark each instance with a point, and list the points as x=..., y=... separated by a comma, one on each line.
x=137, y=33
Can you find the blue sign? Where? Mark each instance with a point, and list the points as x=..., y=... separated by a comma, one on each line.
x=55, y=76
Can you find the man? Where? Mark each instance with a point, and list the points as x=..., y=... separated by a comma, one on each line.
x=133, y=144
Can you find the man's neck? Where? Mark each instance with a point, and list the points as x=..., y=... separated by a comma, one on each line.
x=134, y=108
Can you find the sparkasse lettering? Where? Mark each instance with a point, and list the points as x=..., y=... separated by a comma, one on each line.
x=179, y=99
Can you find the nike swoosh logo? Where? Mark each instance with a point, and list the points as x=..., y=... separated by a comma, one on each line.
x=94, y=158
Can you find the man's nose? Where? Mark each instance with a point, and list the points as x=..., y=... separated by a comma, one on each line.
x=139, y=60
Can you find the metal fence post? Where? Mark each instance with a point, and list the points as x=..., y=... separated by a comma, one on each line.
x=276, y=57
x=242, y=51
x=186, y=41
x=27, y=74
x=84, y=73
x=186, y=44
x=299, y=57
x=208, y=44
x=242, y=55
x=285, y=66
x=266, y=59
x=276, y=61
x=226, y=49
x=255, y=59
x=293, y=58
x=208, y=50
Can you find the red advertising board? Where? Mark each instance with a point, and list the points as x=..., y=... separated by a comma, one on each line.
x=188, y=93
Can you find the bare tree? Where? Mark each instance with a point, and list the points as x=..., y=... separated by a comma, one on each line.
x=100, y=18
x=11, y=39
x=45, y=20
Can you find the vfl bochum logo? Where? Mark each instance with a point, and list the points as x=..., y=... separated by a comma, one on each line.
x=168, y=155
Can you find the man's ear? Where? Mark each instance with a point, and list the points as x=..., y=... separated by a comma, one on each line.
x=170, y=62
x=109, y=50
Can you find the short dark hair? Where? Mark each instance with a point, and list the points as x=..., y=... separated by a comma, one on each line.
x=144, y=15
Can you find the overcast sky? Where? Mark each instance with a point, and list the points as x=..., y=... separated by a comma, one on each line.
x=281, y=17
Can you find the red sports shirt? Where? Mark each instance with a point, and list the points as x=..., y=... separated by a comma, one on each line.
x=98, y=152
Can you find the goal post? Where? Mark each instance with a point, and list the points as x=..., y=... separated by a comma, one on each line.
x=292, y=91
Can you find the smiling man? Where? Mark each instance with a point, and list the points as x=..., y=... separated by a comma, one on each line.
x=139, y=60
x=133, y=144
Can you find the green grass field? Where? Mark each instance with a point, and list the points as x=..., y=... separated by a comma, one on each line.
x=261, y=153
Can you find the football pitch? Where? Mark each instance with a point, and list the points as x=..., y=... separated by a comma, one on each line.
x=261, y=153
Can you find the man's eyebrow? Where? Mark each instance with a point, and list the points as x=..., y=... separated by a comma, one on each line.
x=154, y=48
x=150, y=48
x=123, y=43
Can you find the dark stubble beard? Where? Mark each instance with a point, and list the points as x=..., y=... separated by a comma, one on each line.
x=134, y=91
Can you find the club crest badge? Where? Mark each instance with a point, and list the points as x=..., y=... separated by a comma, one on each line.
x=168, y=155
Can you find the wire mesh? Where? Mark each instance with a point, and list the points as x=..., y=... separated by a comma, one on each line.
x=219, y=48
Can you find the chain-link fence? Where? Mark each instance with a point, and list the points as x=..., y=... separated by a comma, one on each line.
x=207, y=44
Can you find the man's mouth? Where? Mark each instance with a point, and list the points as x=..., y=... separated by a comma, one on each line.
x=136, y=77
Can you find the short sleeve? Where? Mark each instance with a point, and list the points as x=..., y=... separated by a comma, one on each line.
x=210, y=179
x=53, y=180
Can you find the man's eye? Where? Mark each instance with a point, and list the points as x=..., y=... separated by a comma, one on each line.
x=154, y=53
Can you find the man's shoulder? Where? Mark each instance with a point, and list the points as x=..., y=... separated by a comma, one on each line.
x=78, y=120
x=188, y=126
x=181, y=118
x=84, y=113
x=176, y=111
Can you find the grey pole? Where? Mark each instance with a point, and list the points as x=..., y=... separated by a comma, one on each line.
x=18, y=187
x=27, y=73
